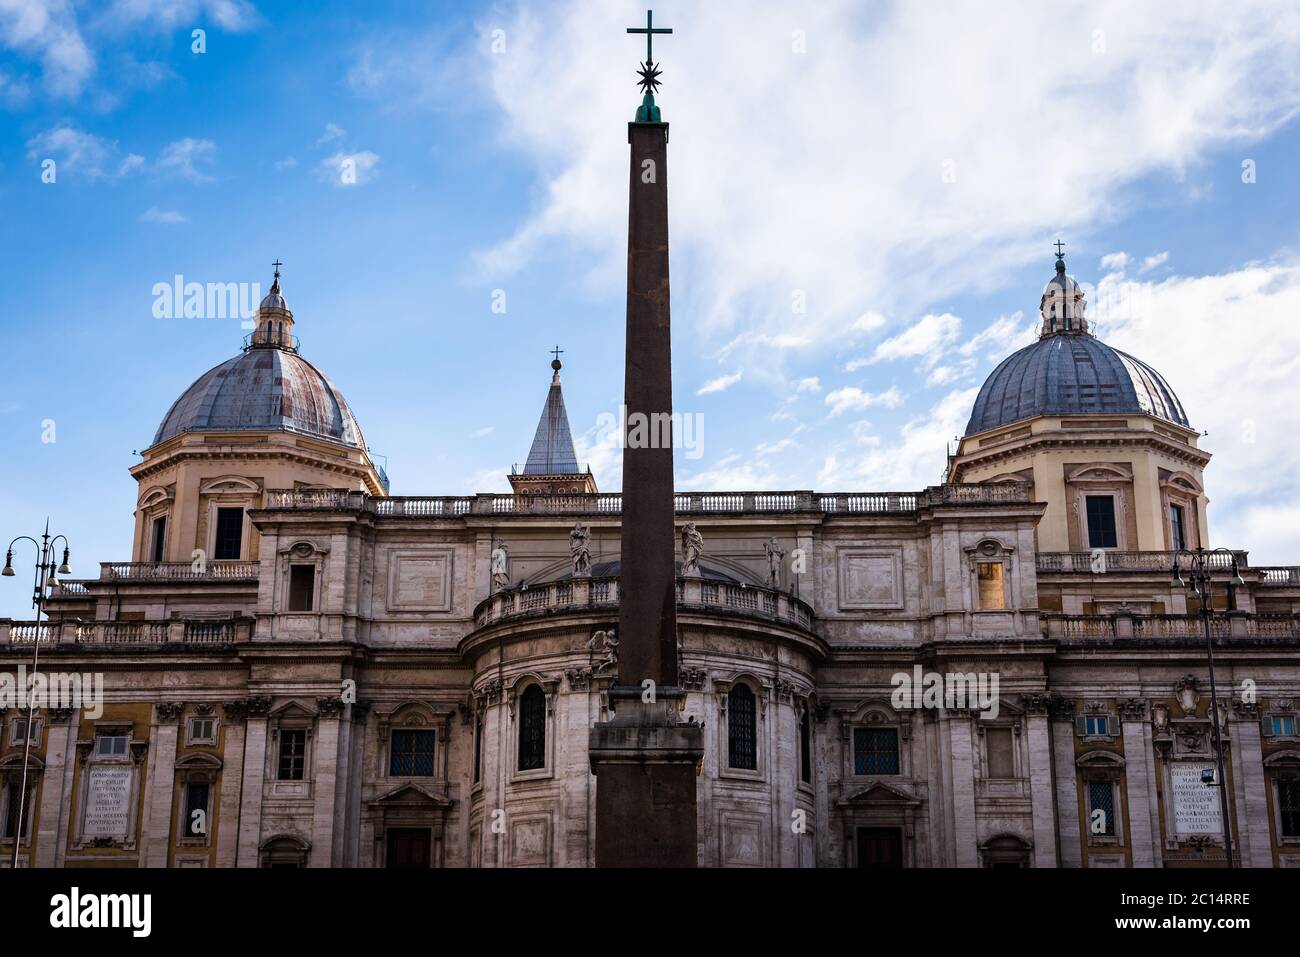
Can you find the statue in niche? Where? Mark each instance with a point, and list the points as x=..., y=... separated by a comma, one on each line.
x=580, y=550
x=501, y=567
x=775, y=553
x=692, y=549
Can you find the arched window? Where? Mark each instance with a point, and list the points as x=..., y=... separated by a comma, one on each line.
x=742, y=736
x=532, y=729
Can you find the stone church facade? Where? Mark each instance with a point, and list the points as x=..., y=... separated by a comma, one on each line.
x=302, y=670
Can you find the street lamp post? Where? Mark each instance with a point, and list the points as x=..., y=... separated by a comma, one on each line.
x=44, y=579
x=1199, y=574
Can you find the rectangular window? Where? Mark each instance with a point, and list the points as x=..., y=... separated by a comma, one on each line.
x=1101, y=521
x=805, y=749
x=293, y=754
x=1177, y=530
x=18, y=730
x=159, y=537
x=1288, y=807
x=302, y=587
x=1094, y=724
x=478, y=748
x=230, y=534
x=999, y=742
x=1101, y=797
x=1283, y=724
x=11, y=810
x=203, y=731
x=196, y=799
x=992, y=594
x=110, y=745
x=875, y=750
x=412, y=754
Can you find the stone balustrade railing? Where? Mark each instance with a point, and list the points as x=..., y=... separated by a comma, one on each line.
x=1105, y=560
x=1229, y=625
x=171, y=632
x=178, y=571
x=1279, y=574
x=578, y=594
x=612, y=502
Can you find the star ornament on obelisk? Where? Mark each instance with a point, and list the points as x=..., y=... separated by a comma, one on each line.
x=649, y=72
x=645, y=756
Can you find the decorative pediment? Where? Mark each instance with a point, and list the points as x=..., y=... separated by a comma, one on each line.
x=1183, y=482
x=291, y=709
x=156, y=495
x=1100, y=472
x=199, y=760
x=411, y=796
x=229, y=483
x=880, y=793
x=1288, y=759
x=1100, y=759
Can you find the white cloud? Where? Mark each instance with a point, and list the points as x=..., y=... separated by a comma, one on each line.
x=480, y=433
x=756, y=215
x=166, y=217
x=773, y=448
x=233, y=16
x=47, y=30
x=188, y=158
x=851, y=398
x=729, y=473
x=84, y=155
x=720, y=384
x=287, y=163
x=1114, y=261
x=1151, y=262
x=928, y=338
x=1243, y=391
x=332, y=133
x=810, y=384
x=349, y=169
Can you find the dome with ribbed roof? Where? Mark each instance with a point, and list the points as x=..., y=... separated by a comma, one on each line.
x=1069, y=371
x=267, y=387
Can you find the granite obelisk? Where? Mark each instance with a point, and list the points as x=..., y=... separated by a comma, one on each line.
x=645, y=758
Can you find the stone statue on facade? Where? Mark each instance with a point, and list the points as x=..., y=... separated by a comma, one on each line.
x=580, y=550
x=604, y=643
x=775, y=553
x=501, y=567
x=692, y=549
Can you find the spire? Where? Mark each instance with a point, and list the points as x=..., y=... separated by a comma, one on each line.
x=274, y=328
x=552, y=452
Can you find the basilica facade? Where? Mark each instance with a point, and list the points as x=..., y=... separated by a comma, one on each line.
x=300, y=669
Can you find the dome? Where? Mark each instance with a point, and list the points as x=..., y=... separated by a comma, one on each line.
x=260, y=390
x=1072, y=375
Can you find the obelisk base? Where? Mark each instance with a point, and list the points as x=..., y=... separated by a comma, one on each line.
x=645, y=763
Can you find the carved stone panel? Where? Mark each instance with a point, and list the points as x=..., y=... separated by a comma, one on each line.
x=870, y=578
x=420, y=580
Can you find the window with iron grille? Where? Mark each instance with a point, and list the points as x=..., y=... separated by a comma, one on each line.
x=293, y=754
x=230, y=533
x=1288, y=807
x=532, y=729
x=742, y=728
x=1101, y=797
x=196, y=799
x=805, y=749
x=478, y=748
x=411, y=754
x=875, y=750
x=1101, y=521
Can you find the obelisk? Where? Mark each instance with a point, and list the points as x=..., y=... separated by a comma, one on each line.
x=645, y=758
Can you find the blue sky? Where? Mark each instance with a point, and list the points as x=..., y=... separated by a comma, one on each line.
x=898, y=173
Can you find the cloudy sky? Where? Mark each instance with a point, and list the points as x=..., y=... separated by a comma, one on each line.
x=864, y=199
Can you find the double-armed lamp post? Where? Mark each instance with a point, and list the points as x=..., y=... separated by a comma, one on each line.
x=1200, y=568
x=44, y=580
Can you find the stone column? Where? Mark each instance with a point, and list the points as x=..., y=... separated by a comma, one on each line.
x=1253, y=839
x=1067, y=792
x=1040, y=784
x=1139, y=773
x=961, y=757
x=250, y=801
x=232, y=780
x=161, y=783
x=326, y=755
x=60, y=742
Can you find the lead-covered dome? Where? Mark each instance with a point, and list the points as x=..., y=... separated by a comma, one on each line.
x=267, y=387
x=1068, y=371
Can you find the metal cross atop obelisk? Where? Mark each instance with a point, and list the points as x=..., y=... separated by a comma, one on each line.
x=649, y=72
x=650, y=30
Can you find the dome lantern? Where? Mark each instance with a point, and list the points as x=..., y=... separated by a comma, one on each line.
x=274, y=328
x=1063, y=303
